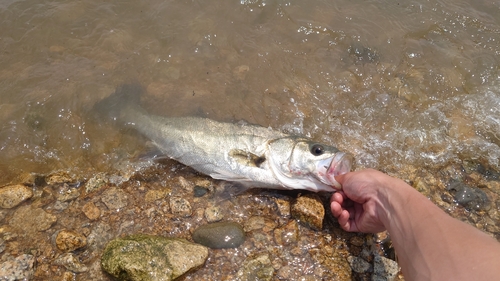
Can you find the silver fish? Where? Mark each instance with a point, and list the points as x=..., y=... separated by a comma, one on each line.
x=251, y=155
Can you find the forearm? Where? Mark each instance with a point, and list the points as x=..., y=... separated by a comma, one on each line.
x=432, y=245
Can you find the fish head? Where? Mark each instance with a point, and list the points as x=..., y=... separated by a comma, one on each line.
x=305, y=164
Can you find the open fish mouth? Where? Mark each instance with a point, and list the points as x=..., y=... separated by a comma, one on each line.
x=340, y=164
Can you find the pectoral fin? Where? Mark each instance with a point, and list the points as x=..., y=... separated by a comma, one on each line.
x=247, y=158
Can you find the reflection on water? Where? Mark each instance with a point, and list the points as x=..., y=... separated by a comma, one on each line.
x=398, y=84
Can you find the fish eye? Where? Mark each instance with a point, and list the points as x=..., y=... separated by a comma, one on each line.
x=317, y=149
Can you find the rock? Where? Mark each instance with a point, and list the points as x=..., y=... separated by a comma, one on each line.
x=287, y=234
x=68, y=241
x=199, y=191
x=66, y=193
x=357, y=241
x=256, y=268
x=145, y=257
x=384, y=268
x=220, y=235
x=309, y=211
x=283, y=207
x=96, y=182
x=71, y=263
x=180, y=207
x=13, y=195
x=359, y=265
x=20, y=268
x=58, y=178
x=31, y=219
x=91, y=211
x=254, y=223
x=156, y=194
x=469, y=197
x=213, y=214
x=114, y=198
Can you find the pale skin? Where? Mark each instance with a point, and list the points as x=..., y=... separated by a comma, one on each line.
x=430, y=244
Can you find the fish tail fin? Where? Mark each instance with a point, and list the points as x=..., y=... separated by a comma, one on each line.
x=121, y=105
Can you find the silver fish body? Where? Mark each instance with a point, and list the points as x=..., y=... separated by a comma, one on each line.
x=248, y=154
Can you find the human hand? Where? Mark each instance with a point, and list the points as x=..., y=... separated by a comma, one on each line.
x=358, y=206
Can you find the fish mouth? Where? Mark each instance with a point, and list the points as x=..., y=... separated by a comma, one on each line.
x=341, y=164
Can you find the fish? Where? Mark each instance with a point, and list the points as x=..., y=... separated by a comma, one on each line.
x=250, y=155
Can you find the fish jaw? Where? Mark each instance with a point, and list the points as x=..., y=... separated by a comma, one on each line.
x=329, y=168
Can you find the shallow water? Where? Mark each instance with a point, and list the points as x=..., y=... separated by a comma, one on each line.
x=407, y=85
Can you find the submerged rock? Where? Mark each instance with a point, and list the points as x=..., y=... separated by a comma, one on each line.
x=20, y=268
x=309, y=210
x=256, y=268
x=31, y=219
x=220, y=235
x=68, y=241
x=13, y=195
x=114, y=198
x=469, y=197
x=145, y=257
x=71, y=263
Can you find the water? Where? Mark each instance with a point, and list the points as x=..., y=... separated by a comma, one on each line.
x=400, y=85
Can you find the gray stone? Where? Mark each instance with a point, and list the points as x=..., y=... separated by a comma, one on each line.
x=384, y=268
x=114, y=198
x=469, y=197
x=145, y=257
x=358, y=265
x=20, y=268
x=256, y=268
x=13, y=195
x=309, y=211
x=31, y=219
x=71, y=263
x=220, y=235
x=180, y=207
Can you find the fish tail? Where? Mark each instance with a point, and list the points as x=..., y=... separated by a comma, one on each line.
x=120, y=105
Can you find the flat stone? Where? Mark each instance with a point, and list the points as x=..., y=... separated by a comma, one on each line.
x=13, y=195
x=146, y=257
x=309, y=211
x=256, y=268
x=114, y=198
x=31, y=219
x=91, y=211
x=220, y=235
x=67, y=240
x=180, y=207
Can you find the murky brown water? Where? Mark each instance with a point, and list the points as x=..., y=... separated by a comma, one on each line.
x=401, y=85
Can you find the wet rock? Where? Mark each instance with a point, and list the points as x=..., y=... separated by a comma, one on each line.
x=180, y=207
x=287, y=234
x=254, y=223
x=71, y=263
x=114, y=198
x=67, y=240
x=96, y=182
x=20, y=268
x=213, y=214
x=91, y=211
x=283, y=207
x=31, y=219
x=357, y=241
x=59, y=178
x=384, y=268
x=220, y=235
x=359, y=265
x=66, y=193
x=471, y=198
x=68, y=276
x=309, y=210
x=199, y=191
x=13, y=195
x=256, y=268
x=156, y=194
x=145, y=257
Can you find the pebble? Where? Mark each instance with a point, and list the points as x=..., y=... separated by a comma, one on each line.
x=67, y=240
x=309, y=211
x=13, y=195
x=283, y=207
x=58, y=178
x=156, y=194
x=71, y=263
x=199, y=191
x=213, y=214
x=180, y=207
x=220, y=235
x=114, y=198
x=256, y=268
x=287, y=234
x=384, y=268
x=146, y=257
x=96, y=182
x=254, y=223
x=20, y=268
x=31, y=219
x=359, y=265
x=66, y=193
x=91, y=211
